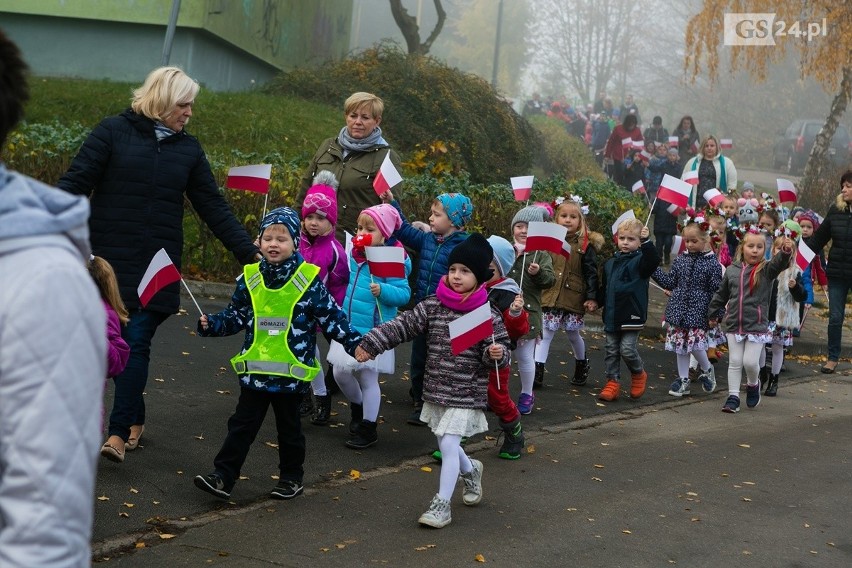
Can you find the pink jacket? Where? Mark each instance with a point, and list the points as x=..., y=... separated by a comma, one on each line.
x=117, y=349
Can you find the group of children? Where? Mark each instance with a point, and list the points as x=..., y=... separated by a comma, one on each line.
x=306, y=282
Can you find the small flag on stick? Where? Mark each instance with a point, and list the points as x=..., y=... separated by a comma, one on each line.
x=522, y=187
x=629, y=214
x=638, y=187
x=714, y=197
x=674, y=191
x=471, y=328
x=674, y=141
x=678, y=245
x=386, y=262
x=726, y=143
x=250, y=178
x=548, y=237
x=804, y=255
x=786, y=191
x=691, y=177
x=160, y=273
x=626, y=142
x=387, y=177
x=674, y=210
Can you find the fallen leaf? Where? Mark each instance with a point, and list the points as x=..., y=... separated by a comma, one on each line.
x=123, y=514
x=140, y=545
x=599, y=466
x=128, y=505
x=199, y=437
x=324, y=549
x=166, y=536
x=184, y=352
x=354, y=474
x=625, y=531
x=426, y=468
x=531, y=449
x=271, y=444
x=223, y=392
x=744, y=445
x=479, y=558
x=103, y=498
x=132, y=490
x=340, y=546
x=747, y=499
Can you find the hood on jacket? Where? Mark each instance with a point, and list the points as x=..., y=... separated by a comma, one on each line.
x=29, y=208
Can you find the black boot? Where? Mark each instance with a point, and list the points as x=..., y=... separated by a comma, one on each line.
x=581, y=372
x=364, y=437
x=538, y=380
x=322, y=412
x=513, y=441
x=357, y=415
x=772, y=385
x=763, y=376
x=306, y=408
x=331, y=386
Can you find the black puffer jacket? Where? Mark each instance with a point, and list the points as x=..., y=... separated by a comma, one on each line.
x=836, y=228
x=137, y=187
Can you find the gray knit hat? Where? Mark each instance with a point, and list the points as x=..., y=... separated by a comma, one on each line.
x=529, y=214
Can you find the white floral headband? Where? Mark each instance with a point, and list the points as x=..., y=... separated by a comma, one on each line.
x=576, y=199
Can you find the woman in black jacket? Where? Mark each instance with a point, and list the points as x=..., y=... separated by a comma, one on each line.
x=837, y=228
x=137, y=168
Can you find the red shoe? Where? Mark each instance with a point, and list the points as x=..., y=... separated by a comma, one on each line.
x=637, y=384
x=610, y=391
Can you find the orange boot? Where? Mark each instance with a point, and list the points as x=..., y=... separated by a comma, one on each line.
x=637, y=384
x=610, y=391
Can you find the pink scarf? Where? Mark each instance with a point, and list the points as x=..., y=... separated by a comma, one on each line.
x=456, y=301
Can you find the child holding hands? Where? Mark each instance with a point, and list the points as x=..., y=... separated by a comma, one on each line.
x=455, y=386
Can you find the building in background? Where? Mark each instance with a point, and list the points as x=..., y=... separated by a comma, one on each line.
x=225, y=45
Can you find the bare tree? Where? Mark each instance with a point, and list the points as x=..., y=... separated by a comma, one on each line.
x=411, y=30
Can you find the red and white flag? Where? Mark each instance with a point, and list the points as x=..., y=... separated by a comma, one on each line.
x=726, y=143
x=674, y=191
x=786, y=191
x=250, y=178
x=522, y=187
x=646, y=155
x=714, y=197
x=629, y=214
x=161, y=272
x=386, y=262
x=691, y=177
x=626, y=142
x=638, y=144
x=804, y=255
x=696, y=147
x=674, y=210
x=471, y=328
x=387, y=177
x=678, y=245
x=638, y=187
x=547, y=237
x=674, y=141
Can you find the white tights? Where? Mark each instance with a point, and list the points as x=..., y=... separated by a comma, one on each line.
x=361, y=387
x=742, y=355
x=542, y=349
x=453, y=461
x=683, y=362
x=524, y=354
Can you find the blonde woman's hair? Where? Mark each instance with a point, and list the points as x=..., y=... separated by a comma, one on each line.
x=162, y=91
x=360, y=99
x=704, y=143
x=104, y=277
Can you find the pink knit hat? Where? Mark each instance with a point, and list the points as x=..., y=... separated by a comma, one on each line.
x=386, y=217
x=321, y=198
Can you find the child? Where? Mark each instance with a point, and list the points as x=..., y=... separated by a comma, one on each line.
x=665, y=229
x=815, y=272
x=455, y=386
x=744, y=293
x=787, y=292
x=505, y=295
x=279, y=302
x=370, y=300
x=693, y=279
x=624, y=297
x=575, y=291
x=534, y=274
x=450, y=212
x=747, y=191
x=769, y=220
x=320, y=247
x=117, y=349
x=719, y=237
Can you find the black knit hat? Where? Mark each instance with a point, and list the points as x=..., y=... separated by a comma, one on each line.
x=475, y=253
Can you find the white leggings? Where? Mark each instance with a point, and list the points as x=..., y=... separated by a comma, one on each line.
x=453, y=461
x=683, y=362
x=318, y=384
x=524, y=354
x=777, y=358
x=361, y=387
x=542, y=349
x=742, y=355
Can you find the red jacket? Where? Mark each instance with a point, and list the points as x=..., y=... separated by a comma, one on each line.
x=613, y=149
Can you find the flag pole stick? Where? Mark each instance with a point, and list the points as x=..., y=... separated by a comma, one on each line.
x=651, y=210
x=378, y=307
x=523, y=267
x=657, y=286
x=496, y=363
x=191, y=296
x=802, y=323
x=265, y=201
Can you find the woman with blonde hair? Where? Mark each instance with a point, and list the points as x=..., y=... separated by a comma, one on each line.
x=138, y=168
x=714, y=171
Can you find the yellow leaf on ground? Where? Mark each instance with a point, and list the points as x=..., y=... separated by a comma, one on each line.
x=355, y=474
x=744, y=445
x=531, y=449
x=625, y=531
x=128, y=505
x=426, y=468
x=103, y=498
x=599, y=466
x=140, y=545
x=479, y=558
x=166, y=536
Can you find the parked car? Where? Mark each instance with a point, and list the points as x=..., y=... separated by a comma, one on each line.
x=791, y=151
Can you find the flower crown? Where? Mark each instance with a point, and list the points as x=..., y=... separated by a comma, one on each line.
x=745, y=229
x=785, y=231
x=575, y=198
x=768, y=203
x=700, y=218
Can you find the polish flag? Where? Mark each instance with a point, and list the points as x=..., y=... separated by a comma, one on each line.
x=161, y=272
x=674, y=210
x=548, y=237
x=645, y=155
x=638, y=144
x=626, y=142
x=387, y=177
x=786, y=191
x=674, y=191
x=714, y=197
x=804, y=256
x=678, y=245
x=621, y=218
x=250, y=178
x=522, y=187
x=691, y=177
x=674, y=141
x=726, y=143
x=386, y=262
x=638, y=187
x=471, y=328
x=695, y=147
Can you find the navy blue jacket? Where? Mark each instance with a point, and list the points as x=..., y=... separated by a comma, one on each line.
x=624, y=289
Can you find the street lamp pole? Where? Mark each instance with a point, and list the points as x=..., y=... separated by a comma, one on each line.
x=497, y=45
x=170, y=32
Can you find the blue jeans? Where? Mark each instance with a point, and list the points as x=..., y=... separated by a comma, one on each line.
x=128, y=408
x=622, y=345
x=838, y=289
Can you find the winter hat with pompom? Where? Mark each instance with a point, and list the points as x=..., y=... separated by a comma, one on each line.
x=321, y=198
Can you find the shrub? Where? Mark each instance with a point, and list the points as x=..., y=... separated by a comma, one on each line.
x=562, y=153
x=427, y=101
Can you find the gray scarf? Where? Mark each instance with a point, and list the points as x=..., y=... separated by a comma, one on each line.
x=350, y=144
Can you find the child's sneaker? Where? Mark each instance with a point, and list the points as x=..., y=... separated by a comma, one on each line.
x=637, y=384
x=287, y=489
x=752, y=395
x=708, y=380
x=680, y=387
x=525, y=403
x=472, y=493
x=438, y=515
x=732, y=405
x=610, y=391
x=213, y=484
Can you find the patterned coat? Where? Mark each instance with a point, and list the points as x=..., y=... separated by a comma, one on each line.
x=693, y=279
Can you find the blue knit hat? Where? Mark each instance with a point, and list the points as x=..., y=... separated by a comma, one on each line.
x=504, y=254
x=457, y=207
x=283, y=216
